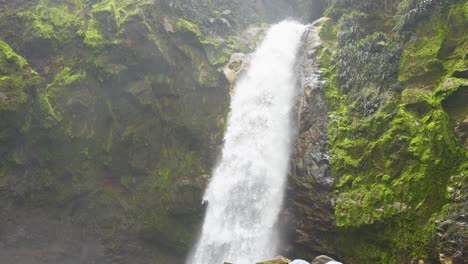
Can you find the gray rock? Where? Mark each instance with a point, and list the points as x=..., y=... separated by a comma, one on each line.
x=309, y=204
x=226, y=12
x=237, y=63
x=322, y=260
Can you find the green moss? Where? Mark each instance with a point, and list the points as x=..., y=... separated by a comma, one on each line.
x=328, y=32
x=131, y=163
x=392, y=167
x=49, y=110
x=439, y=40
x=387, y=177
x=175, y=163
x=16, y=79
x=48, y=115
x=55, y=21
x=415, y=152
x=121, y=10
x=207, y=76
x=421, y=60
x=9, y=54
x=93, y=37
x=65, y=78
x=154, y=201
x=410, y=12
x=183, y=25
x=12, y=93
x=109, y=16
x=204, y=73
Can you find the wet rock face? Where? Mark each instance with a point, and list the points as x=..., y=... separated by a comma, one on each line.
x=396, y=130
x=121, y=107
x=451, y=239
x=272, y=11
x=113, y=120
x=454, y=239
x=309, y=198
x=226, y=15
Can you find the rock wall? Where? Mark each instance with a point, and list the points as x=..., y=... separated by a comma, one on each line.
x=112, y=113
x=395, y=74
x=309, y=209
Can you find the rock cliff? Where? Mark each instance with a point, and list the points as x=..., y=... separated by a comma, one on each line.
x=395, y=83
x=113, y=112
x=309, y=208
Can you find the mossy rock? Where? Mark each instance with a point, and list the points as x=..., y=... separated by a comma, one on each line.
x=278, y=260
x=393, y=166
x=438, y=40
x=186, y=26
x=17, y=79
x=18, y=83
x=119, y=120
x=55, y=21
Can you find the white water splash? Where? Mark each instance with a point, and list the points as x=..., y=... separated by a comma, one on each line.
x=246, y=192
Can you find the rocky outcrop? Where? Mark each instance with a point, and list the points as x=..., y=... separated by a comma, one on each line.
x=451, y=238
x=277, y=260
x=393, y=93
x=322, y=259
x=310, y=192
x=226, y=15
x=112, y=112
x=236, y=65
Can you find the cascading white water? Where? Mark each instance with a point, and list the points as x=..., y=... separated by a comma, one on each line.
x=246, y=191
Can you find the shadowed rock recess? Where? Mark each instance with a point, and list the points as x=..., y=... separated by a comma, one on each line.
x=113, y=113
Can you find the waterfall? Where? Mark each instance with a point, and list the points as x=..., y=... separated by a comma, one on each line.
x=246, y=191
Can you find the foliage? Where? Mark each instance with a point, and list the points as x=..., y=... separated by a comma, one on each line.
x=371, y=59
x=115, y=120
x=410, y=11
x=54, y=22
x=187, y=26
x=392, y=144
x=16, y=79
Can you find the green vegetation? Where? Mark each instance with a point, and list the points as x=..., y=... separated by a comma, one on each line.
x=392, y=143
x=58, y=22
x=187, y=26
x=112, y=118
x=16, y=79
x=115, y=108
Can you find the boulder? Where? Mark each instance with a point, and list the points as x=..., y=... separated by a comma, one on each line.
x=237, y=63
x=324, y=260
x=277, y=260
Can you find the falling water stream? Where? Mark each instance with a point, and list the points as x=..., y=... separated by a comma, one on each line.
x=246, y=191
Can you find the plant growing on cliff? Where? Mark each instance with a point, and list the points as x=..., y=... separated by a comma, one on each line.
x=392, y=143
x=410, y=11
